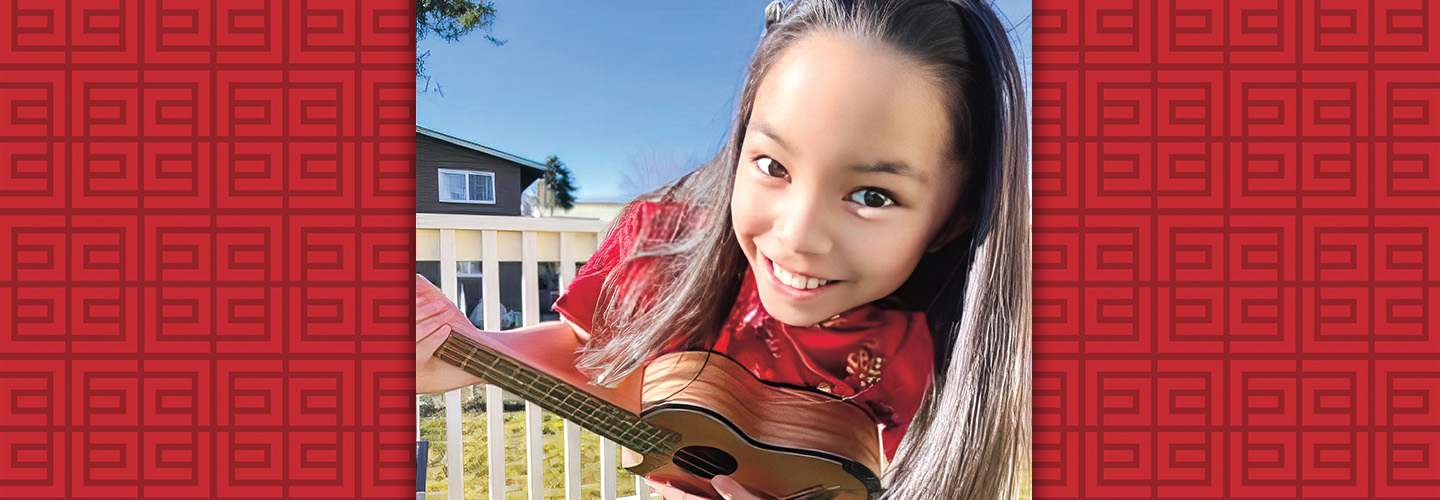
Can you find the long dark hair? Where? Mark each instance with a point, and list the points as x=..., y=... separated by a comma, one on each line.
x=970, y=439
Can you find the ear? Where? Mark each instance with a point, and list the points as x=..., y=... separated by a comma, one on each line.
x=949, y=233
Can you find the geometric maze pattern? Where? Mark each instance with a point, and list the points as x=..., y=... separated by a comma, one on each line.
x=206, y=248
x=1236, y=290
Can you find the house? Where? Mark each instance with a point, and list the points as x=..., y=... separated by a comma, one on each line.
x=458, y=176
x=604, y=209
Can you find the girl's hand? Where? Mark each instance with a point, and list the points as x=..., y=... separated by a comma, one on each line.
x=435, y=319
x=548, y=347
x=728, y=489
x=731, y=490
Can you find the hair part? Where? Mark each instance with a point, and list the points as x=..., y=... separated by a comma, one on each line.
x=970, y=438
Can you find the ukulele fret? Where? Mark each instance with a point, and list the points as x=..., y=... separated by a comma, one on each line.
x=557, y=396
x=854, y=439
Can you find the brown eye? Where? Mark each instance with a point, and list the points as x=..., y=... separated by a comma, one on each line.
x=771, y=167
x=871, y=197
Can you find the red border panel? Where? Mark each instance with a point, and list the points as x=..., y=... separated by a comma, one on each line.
x=191, y=199
x=1237, y=207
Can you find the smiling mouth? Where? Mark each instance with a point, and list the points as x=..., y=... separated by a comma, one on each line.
x=797, y=281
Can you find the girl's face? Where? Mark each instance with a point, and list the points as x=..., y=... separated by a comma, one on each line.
x=843, y=180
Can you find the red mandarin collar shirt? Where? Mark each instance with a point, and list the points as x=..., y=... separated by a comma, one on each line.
x=879, y=358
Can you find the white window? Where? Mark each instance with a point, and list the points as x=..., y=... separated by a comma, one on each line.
x=464, y=186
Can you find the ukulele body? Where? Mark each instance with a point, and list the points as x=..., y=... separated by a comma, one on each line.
x=703, y=414
x=777, y=441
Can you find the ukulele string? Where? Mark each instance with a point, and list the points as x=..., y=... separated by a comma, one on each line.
x=713, y=469
x=693, y=460
x=813, y=492
x=464, y=355
x=689, y=459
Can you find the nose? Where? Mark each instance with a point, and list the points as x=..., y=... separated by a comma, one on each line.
x=801, y=225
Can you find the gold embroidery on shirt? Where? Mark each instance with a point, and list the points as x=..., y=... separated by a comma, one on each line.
x=864, y=366
x=833, y=322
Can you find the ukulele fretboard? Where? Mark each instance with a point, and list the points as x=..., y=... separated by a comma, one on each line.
x=559, y=397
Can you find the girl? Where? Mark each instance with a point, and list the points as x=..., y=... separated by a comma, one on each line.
x=864, y=232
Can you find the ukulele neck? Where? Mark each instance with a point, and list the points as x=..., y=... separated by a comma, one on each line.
x=570, y=402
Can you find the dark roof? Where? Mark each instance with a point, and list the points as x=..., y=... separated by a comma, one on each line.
x=481, y=148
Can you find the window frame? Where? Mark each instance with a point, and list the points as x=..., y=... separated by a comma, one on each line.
x=440, y=186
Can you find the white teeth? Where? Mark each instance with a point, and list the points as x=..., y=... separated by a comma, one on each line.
x=801, y=282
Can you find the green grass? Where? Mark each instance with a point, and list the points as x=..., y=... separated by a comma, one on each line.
x=477, y=467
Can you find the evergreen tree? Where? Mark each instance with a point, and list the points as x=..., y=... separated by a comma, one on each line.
x=559, y=188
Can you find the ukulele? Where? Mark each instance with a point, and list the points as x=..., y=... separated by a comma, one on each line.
x=704, y=415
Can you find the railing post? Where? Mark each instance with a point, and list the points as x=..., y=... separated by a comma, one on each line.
x=530, y=305
x=569, y=254
x=572, y=461
x=490, y=285
x=572, y=431
x=454, y=440
x=420, y=458
x=642, y=488
x=607, y=470
x=534, y=451
x=567, y=262
x=494, y=397
x=448, y=284
x=495, y=434
x=454, y=446
x=530, y=278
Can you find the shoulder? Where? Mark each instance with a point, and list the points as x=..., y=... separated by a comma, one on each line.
x=917, y=345
x=909, y=368
x=641, y=219
x=635, y=224
x=630, y=225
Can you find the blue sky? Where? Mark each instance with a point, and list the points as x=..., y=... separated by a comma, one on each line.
x=601, y=84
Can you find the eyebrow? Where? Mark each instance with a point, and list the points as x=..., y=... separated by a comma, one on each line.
x=889, y=167
x=882, y=167
x=764, y=129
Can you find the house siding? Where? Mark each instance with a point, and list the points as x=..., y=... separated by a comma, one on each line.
x=433, y=154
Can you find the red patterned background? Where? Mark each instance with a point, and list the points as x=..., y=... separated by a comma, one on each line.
x=205, y=223
x=206, y=248
x=1236, y=212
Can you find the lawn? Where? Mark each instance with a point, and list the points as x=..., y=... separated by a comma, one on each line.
x=476, y=461
x=477, y=466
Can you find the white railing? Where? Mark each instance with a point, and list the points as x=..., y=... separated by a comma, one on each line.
x=567, y=241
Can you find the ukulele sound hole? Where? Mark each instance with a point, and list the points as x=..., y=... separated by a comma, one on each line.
x=705, y=461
